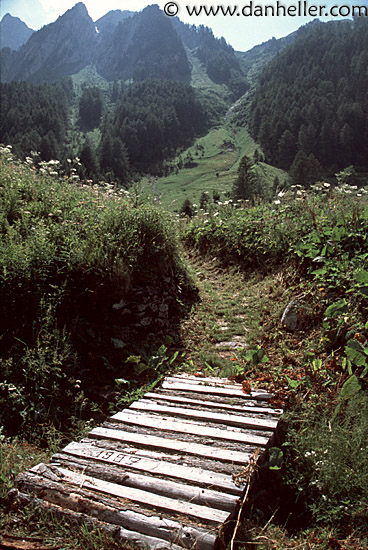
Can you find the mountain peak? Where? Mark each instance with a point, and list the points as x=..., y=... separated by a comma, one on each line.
x=78, y=9
x=13, y=32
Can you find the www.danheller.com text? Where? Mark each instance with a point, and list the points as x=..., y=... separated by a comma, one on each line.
x=271, y=9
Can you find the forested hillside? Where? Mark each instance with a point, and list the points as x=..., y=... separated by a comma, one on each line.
x=140, y=124
x=312, y=98
x=35, y=117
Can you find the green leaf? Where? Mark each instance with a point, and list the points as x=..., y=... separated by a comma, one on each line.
x=317, y=364
x=357, y=353
x=275, y=458
x=338, y=232
x=293, y=384
x=133, y=359
x=351, y=387
x=337, y=308
x=141, y=367
x=361, y=277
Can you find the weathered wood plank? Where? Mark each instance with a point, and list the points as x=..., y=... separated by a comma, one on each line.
x=159, y=474
x=173, y=444
x=197, y=414
x=150, y=529
x=161, y=423
x=211, y=404
x=198, y=476
x=218, y=390
x=164, y=487
x=214, y=382
x=210, y=515
x=168, y=455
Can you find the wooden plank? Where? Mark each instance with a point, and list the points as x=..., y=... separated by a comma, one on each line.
x=165, y=487
x=168, y=455
x=144, y=541
x=213, y=382
x=161, y=423
x=197, y=414
x=203, y=513
x=71, y=504
x=172, y=531
x=208, y=380
x=150, y=441
x=198, y=476
x=214, y=390
x=211, y=404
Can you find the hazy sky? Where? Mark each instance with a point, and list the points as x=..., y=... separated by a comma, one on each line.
x=241, y=32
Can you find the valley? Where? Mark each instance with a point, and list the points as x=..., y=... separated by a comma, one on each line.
x=164, y=199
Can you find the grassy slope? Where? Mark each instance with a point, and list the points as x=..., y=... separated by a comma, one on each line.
x=215, y=170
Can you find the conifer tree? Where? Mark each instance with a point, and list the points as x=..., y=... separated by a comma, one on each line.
x=246, y=185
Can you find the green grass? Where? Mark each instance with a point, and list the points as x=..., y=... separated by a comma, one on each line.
x=89, y=77
x=216, y=169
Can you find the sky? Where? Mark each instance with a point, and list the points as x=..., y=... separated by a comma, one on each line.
x=241, y=32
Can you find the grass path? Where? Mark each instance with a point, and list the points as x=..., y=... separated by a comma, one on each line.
x=228, y=318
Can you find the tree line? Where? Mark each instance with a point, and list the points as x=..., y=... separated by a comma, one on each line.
x=139, y=124
x=311, y=100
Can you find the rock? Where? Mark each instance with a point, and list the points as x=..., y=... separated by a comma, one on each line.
x=295, y=316
x=231, y=345
x=118, y=344
x=146, y=321
x=120, y=305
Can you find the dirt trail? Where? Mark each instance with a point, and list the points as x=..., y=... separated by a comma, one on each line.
x=228, y=318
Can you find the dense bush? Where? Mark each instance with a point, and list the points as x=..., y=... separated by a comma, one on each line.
x=66, y=249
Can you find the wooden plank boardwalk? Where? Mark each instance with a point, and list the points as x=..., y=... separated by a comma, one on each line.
x=167, y=472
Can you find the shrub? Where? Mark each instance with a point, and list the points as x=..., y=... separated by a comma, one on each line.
x=328, y=461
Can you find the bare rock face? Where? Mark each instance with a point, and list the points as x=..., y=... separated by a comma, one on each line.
x=295, y=316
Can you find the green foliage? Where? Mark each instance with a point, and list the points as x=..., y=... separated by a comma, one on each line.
x=67, y=251
x=35, y=118
x=37, y=387
x=151, y=119
x=252, y=237
x=246, y=185
x=187, y=209
x=305, y=170
x=328, y=463
x=90, y=107
x=316, y=104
